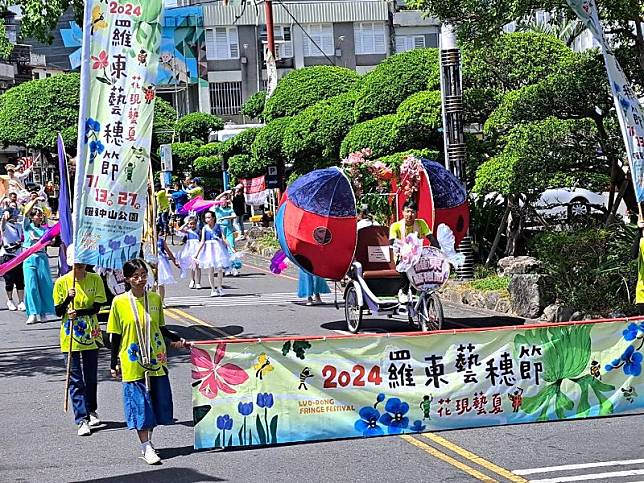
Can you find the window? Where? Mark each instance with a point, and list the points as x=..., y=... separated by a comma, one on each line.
x=226, y=98
x=283, y=41
x=409, y=42
x=322, y=35
x=370, y=38
x=222, y=43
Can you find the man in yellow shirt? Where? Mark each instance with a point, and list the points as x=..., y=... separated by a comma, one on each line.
x=163, y=210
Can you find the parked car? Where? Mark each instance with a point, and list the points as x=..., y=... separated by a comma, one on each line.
x=568, y=204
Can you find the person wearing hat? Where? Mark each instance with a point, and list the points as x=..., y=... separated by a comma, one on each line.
x=16, y=178
x=12, y=236
x=78, y=296
x=196, y=189
x=38, y=284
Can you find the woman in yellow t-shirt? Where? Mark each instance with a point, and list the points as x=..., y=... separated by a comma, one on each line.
x=139, y=357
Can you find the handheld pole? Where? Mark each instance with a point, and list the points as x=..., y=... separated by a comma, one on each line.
x=69, y=352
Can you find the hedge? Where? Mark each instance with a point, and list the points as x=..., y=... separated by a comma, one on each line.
x=210, y=149
x=313, y=139
x=394, y=80
x=240, y=144
x=254, y=105
x=378, y=134
x=197, y=125
x=396, y=159
x=302, y=88
x=418, y=119
x=245, y=166
x=267, y=147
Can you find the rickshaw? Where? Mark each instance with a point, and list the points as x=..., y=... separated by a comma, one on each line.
x=374, y=283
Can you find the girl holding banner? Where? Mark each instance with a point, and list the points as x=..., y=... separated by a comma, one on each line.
x=139, y=356
x=38, y=284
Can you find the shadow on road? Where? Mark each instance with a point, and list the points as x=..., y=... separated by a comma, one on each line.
x=160, y=474
x=202, y=332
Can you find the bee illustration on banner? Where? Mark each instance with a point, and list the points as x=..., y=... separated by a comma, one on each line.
x=629, y=394
x=594, y=370
x=263, y=366
x=98, y=20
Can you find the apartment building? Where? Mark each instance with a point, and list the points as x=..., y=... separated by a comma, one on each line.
x=353, y=34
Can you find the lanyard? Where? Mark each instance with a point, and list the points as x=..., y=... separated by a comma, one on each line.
x=142, y=333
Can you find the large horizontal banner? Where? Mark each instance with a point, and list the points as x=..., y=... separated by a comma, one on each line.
x=252, y=392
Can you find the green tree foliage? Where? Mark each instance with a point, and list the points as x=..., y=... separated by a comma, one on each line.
x=242, y=143
x=396, y=159
x=184, y=154
x=39, y=17
x=163, y=125
x=379, y=135
x=395, y=79
x=302, y=88
x=267, y=148
x=211, y=149
x=6, y=47
x=418, y=119
x=313, y=139
x=198, y=125
x=32, y=113
x=245, y=166
x=254, y=105
x=536, y=155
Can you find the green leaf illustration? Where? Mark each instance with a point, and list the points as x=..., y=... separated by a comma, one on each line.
x=273, y=427
x=230, y=441
x=531, y=404
x=261, y=433
x=240, y=435
x=218, y=441
x=562, y=404
x=199, y=412
x=583, y=409
x=605, y=406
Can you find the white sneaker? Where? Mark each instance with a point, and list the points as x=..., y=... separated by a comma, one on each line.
x=227, y=274
x=42, y=318
x=220, y=292
x=197, y=285
x=21, y=307
x=235, y=272
x=11, y=306
x=94, y=419
x=150, y=456
x=191, y=284
x=32, y=319
x=214, y=293
x=402, y=297
x=84, y=429
x=50, y=317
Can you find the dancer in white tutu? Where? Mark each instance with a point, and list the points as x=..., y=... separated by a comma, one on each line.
x=212, y=253
x=187, y=253
x=164, y=271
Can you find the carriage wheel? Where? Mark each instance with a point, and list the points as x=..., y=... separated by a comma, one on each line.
x=352, y=310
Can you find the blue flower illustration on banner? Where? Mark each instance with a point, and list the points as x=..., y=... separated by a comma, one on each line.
x=92, y=128
x=133, y=351
x=245, y=436
x=95, y=148
x=368, y=422
x=265, y=400
x=418, y=426
x=225, y=422
x=630, y=333
x=245, y=408
x=395, y=418
x=129, y=240
x=632, y=361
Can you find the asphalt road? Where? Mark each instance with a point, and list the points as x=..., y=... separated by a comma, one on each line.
x=39, y=441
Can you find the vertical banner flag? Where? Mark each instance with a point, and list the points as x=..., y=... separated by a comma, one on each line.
x=270, y=391
x=64, y=208
x=629, y=112
x=118, y=75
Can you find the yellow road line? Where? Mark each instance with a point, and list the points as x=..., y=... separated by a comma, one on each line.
x=448, y=459
x=475, y=458
x=180, y=314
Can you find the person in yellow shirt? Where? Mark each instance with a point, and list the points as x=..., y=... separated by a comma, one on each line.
x=163, y=210
x=139, y=357
x=78, y=303
x=637, y=252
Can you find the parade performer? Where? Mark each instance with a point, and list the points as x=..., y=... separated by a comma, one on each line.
x=38, y=284
x=139, y=356
x=78, y=296
x=225, y=217
x=164, y=271
x=16, y=178
x=163, y=210
x=12, y=237
x=212, y=253
x=239, y=207
x=310, y=287
x=185, y=256
x=637, y=252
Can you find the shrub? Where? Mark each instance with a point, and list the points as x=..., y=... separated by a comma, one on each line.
x=240, y=144
x=591, y=269
x=267, y=148
x=418, y=119
x=208, y=168
x=378, y=134
x=254, y=105
x=396, y=159
x=394, y=80
x=302, y=88
x=493, y=283
x=314, y=137
x=245, y=166
x=197, y=125
x=183, y=155
x=210, y=149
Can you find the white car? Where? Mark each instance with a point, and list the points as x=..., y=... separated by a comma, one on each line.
x=570, y=203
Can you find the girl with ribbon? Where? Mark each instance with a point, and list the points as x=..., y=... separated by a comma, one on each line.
x=139, y=356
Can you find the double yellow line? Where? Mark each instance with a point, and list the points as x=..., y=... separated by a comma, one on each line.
x=181, y=316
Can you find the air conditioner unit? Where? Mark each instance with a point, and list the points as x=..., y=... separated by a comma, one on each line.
x=280, y=45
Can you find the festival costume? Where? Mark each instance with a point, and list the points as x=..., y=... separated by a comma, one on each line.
x=165, y=276
x=38, y=284
x=185, y=256
x=399, y=230
x=309, y=285
x=639, y=288
x=226, y=225
x=12, y=239
x=214, y=253
x=87, y=338
x=143, y=409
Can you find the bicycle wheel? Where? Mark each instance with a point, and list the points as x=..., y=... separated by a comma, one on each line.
x=352, y=311
x=434, y=312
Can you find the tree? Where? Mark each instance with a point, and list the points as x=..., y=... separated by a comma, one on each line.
x=6, y=47
x=395, y=79
x=312, y=140
x=254, y=105
x=267, y=148
x=418, y=120
x=165, y=117
x=302, y=88
x=198, y=125
x=377, y=134
x=39, y=17
x=184, y=155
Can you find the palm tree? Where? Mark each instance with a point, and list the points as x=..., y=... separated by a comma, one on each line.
x=565, y=30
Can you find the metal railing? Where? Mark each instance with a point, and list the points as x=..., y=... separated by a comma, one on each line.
x=226, y=98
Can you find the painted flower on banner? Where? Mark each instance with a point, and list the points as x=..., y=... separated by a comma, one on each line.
x=632, y=361
x=265, y=400
x=96, y=147
x=79, y=328
x=225, y=422
x=162, y=357
x=92, y=128
x=129, y=240
x=418, y=426
x=212, y=375
x=368, y=422
x=245, y=409
x=630, y=333
x=395, y=418
x=100, y=61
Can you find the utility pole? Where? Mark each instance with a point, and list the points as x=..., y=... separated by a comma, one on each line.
x=270, y=36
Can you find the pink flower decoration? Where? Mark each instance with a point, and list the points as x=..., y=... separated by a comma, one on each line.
x=162, y=358
x=100, y=62
x=214, y=376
